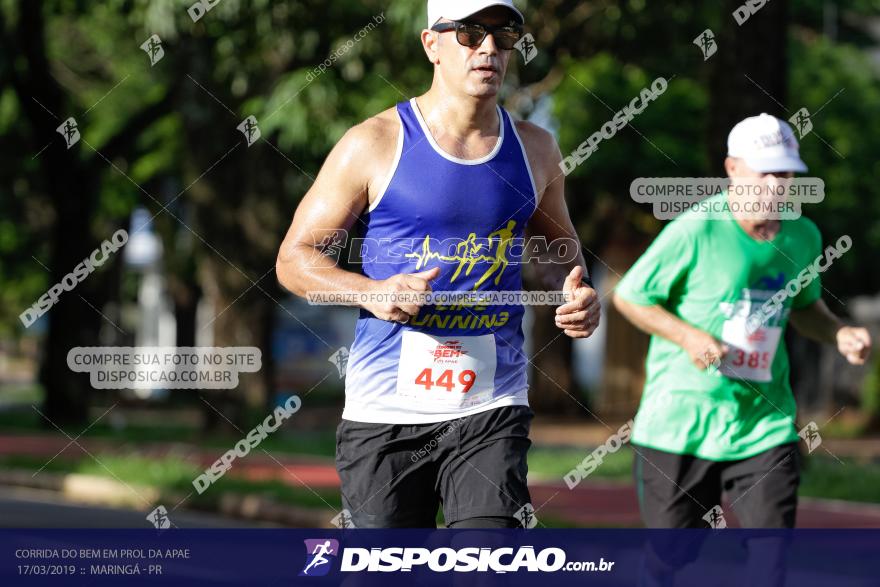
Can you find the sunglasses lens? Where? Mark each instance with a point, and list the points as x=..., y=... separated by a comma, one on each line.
x=470, y=35
x=506, y=39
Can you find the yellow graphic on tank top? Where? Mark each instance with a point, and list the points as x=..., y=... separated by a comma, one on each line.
x=469, y=252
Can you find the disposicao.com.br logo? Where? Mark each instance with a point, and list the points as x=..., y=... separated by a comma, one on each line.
x=441, y=560
x=319, y=555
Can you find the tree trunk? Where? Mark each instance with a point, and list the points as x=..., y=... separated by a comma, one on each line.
x=70, y=322
x=749, y=72
x=552, y=390
x=185, y=294
x=551, y=387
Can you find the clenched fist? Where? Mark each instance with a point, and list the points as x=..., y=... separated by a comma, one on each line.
x=579, y=316
x=402, y=283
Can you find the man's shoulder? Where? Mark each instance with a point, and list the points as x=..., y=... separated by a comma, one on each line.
x=367, y=149
x=542, y=152
x=377, y=132
x=805, y=231
x=536, y=139
x=804, y=225
x=710, y=218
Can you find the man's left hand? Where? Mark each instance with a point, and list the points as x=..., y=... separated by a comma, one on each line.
x=579, y=316
x=854, y=343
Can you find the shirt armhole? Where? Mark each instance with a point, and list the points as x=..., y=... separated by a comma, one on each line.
x=525, y=156
x=397, y=154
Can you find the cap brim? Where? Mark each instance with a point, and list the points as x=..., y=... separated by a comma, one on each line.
x=784, y=164
x=484, y=6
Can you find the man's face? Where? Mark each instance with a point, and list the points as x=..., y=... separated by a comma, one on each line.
x=475, y=71
x=759, y=194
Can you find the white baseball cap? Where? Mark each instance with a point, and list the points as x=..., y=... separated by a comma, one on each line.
x=460, y=9
x=766, y=143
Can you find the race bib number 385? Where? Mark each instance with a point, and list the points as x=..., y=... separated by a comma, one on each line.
x=453, y=372
x=751, y=354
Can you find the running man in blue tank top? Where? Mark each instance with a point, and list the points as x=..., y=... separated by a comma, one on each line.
x=442, y=186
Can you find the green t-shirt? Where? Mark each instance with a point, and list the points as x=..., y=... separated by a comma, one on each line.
x=711, y=274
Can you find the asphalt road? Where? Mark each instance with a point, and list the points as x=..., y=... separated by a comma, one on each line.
x=33, y=508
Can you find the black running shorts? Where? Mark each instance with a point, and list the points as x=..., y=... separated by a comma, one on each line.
x=678, y=491
x=398, y=475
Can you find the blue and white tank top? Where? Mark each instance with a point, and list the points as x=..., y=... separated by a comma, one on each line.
x=465, y=217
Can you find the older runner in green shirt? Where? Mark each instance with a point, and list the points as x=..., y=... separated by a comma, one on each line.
x=717, y=413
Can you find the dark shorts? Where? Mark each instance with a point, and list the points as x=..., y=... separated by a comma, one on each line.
x=398, y=475
x=677, y=491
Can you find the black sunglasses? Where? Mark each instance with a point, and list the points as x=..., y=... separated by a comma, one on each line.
x=472, y=34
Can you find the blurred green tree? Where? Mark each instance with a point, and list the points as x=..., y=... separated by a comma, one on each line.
x=166, y=137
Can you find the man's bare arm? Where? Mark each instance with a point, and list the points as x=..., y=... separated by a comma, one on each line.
x=355, y=166
x=338, y=196
x=819, y=323
x=701, y=346
x=816, y=322
x=579, y=317
x=551, y=220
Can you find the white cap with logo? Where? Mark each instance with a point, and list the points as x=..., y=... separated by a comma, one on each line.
x=460, y=9
x=766, y=143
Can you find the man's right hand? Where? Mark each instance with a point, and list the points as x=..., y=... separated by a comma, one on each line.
x=400, y=310
x=703, y=348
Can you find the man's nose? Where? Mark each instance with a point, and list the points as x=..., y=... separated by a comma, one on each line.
x=774, y=182
x=488, y=46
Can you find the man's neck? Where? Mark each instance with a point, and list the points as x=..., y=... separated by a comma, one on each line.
x=459, y=116
x=762, y=230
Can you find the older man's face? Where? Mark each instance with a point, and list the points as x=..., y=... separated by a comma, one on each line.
x=759, y=194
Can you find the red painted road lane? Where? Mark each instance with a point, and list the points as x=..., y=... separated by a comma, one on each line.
x=612, y=504
x=303, y=471
x=594, y=504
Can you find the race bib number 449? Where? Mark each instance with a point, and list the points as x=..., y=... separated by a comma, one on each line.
x=453, y=372
x=751, y=355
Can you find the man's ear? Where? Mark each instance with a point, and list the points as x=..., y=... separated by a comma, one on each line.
x=730, y=165
x=430, y=43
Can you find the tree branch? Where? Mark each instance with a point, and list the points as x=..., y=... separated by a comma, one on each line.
x=125, y=138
